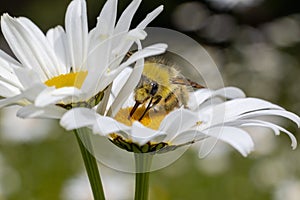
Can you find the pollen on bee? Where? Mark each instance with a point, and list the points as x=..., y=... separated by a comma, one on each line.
x=152, y=119
x=198, y=123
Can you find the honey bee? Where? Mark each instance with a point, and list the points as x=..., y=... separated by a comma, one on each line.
x=162, y=87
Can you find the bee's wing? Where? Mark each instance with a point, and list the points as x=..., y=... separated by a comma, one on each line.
x=187, y=82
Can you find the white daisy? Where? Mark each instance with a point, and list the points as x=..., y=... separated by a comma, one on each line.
x=219, y=114
x=72, y=67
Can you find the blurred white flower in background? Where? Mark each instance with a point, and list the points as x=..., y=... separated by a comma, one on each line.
x=233, y=4
x=117, y=186
x=15, y=129
x=10, y=180
x=287, y=190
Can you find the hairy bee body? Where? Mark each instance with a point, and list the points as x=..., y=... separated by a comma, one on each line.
x=156, y=83
x=162, y=87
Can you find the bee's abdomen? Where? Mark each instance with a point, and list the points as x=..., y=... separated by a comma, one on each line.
x=176, y=98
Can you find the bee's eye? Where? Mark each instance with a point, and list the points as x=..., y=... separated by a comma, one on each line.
x=154, y=88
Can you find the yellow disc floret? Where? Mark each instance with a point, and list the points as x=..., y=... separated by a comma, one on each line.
x=151, y=120
x=68, y=80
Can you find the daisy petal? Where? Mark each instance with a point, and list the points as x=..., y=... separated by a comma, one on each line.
x=77, y=118
x=128, y=86
x=150, y=17
x=57, y=39
x=178, y=121
x=8, y=90
x=230, y=93
x=52, y=95
x=236, y=137
x=152, y=50
x=122, y=43
x=108, y=77
x=141, y=134
x=126, y=17
x=275, y=128
x=7, y=66
x=281, y=113
x=107, y=19
x=203, y=95
x=77, y=34
x=188, y=137
x=14, y=100
x=29, y=45
x=101, y=52
x=26, y=94
x=107, y=125
x=231, y=110
x=27, y=77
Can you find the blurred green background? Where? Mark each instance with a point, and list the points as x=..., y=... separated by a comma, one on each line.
x=256, y=45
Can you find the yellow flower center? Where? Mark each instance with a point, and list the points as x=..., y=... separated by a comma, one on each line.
x=152, y=119
x=75, y=79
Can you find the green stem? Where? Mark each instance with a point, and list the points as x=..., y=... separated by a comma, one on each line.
x=143, y=164
x=90, y=165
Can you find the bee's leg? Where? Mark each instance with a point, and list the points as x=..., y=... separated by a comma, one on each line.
x=151, y=105
x=136, y=105
x=171, y=101
x=147, y=108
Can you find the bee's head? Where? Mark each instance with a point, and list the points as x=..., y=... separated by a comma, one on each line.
x=145, y=90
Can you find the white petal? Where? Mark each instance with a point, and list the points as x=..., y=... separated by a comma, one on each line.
x=52, y=95
x=13, y=100
x=126, y=17
x=29, y=94
x=141, y=134
x=281, y=113
x=30, y=45
x=122, y=43
x=150, y=17
x=198, y=97
x=178, y=121
x=27, y=77
x=102, y=51
x=107, y=19
x=103, y=81
x=84, y=117
x=78, y=118
x=188, y=137
x=57, y=38
x=236, y=137
x=7, y=61
x=77, y=34
x=276, y=129
x=107, y=125
x=128, y=87
x=118, y=83
x=202, y=95
x=99, y=50
x=30, y=111
x=152, y=50
x=7, y=66
x=231, y=110
x=8, y=90
x=230, y=93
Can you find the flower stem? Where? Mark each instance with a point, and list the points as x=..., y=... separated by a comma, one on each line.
x=90, y=164
x=143, y=164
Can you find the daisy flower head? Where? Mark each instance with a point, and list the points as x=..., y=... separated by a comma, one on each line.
x=71, y=67
x=163, y=115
